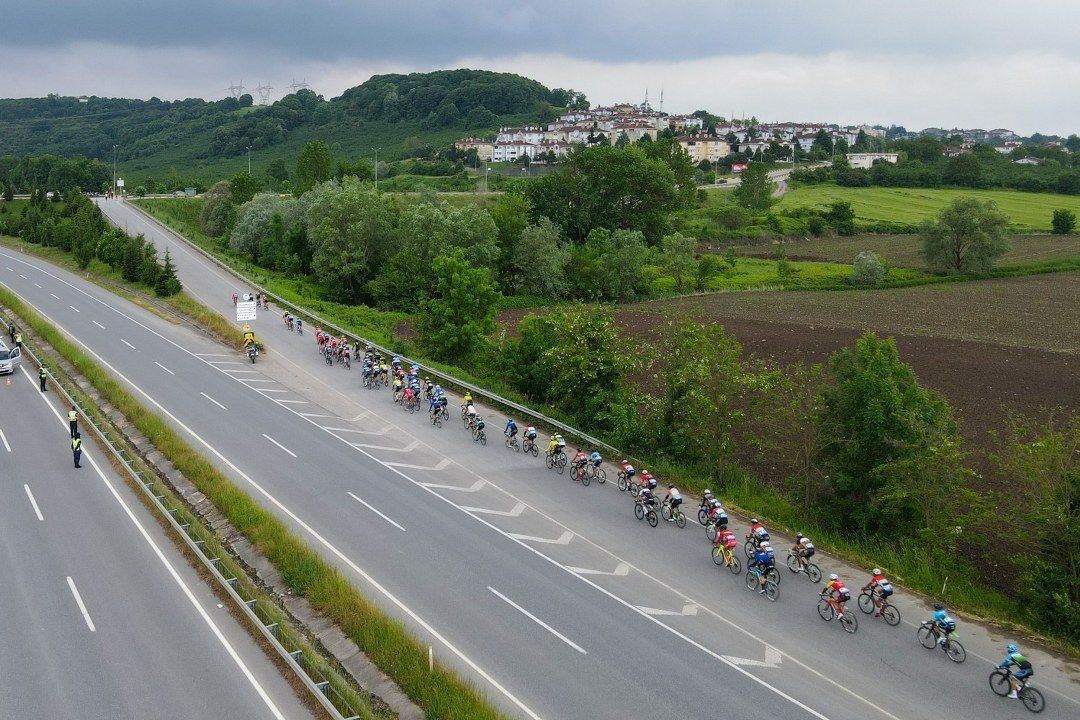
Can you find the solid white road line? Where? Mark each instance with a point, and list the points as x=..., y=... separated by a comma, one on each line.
x=33, y=502
x=538, y=621
x=372, y=509
x=3, y=437
x=55, y=295
x=79, y=602
x=127, y=343
x=213, y=401
x=74, y=308
x=168, y=566
x=279, y=444
x=164, y=368
x=98, y=324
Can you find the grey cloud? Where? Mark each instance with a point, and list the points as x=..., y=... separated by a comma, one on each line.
x=433, y=32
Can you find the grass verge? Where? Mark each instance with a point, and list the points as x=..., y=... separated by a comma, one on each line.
x=389, y=645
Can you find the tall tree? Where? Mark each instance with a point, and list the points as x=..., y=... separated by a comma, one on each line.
x=461, y=313
x=968, y=237
x=540, y=261
x=678, y=256
x=755, y=188
x=314, y=165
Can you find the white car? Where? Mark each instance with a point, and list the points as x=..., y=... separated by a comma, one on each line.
x=9, y=359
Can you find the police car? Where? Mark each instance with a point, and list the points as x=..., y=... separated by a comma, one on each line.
x=9, y=358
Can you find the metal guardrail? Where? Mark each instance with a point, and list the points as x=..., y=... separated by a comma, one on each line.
x=443, y=377
x=286, y=646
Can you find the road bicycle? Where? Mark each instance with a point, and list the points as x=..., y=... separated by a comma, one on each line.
x=628, y=483
x=647, y=513
x=714, y=526
x=529, y=446
x=480, y=436
x=826, y=608
x=754, y=582
x=929, y=635
x=887, y=611
x=598, y=474
x=436, y=419
x=797, y=564
x=556, y=462
x=1031, y=697
x=674, y=515
x=725, y=558
x=703, y=512
x=512, y=443
x=752, y=543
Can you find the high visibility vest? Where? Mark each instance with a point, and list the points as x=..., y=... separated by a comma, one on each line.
x=73, y=416
x=18, y=337
x=41, y=372
x=76, y=443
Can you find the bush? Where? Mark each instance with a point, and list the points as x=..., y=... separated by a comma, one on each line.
x=867, y=269
x=1063, y=222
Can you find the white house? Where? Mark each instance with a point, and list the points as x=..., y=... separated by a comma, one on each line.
x=867, y=160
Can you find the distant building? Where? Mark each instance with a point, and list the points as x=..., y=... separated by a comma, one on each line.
x=867, y=160
x=484, y=148
x=704, y=147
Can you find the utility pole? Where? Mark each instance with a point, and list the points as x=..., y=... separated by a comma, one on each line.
x=249, y=159
x=114, y=169
x=376, y=167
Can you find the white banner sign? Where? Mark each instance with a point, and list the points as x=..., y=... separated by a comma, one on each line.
x=246, y=311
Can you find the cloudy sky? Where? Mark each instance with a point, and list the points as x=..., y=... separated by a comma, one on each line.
x=967, y=63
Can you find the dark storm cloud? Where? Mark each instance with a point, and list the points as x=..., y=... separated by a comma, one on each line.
x=426, y=32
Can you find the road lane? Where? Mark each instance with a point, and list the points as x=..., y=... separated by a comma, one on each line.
x=103, y=617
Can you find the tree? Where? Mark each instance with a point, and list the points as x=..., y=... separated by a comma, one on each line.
x=351, y=231
x=672, y=154
x=277, y=172
x=461, y=313
x=968, y=237
x=242, y=187
x=359, y=168
x=841, y=216
x=399, y=286
x=1063, y=222
x=963, y=170
x=678, y=255
x=755, y=188
x=540, y=260
x=867, y=269
x=704, y=382
x=511, y=214
x=217, y=210
x=874, y=414
x=167, y=283
x=9, y=193
x=623, y=140
x=314, y=165
x=621, y=255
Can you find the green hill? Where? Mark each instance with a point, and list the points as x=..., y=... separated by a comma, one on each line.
x=208, y=140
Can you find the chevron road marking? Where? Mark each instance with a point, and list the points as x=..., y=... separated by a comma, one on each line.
x=773, y=657
x=445, y=462
x=515, y=512
x=689, y=609
x=408, y=448
x=472, y=488
x=563, y=539
x=621, y=570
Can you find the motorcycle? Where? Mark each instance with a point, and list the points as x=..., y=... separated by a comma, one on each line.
x=252, y=351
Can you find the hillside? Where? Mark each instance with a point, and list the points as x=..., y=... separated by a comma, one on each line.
x=207, y=140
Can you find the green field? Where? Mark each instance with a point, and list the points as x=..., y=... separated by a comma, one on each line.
x=903, y=250
x=1027, y=211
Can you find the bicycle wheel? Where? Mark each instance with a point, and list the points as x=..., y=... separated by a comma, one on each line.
x=849, y=622
x=751, y=580
x=813, y=572
x=651, y=517
x=999, y=683
x=710, y=532
x=446, y=414
x=585, y=479
x=1033, y=699
x=549, y=461
x=639, y=511
x=622, y=482
x=736, y=564
x=825, y=610
x=926, y=637
x=560, y=467
x=955, y=651
x=891, y=614
x=534, y=450
x=866, y=603
x=718, y=555
x=680, y=519
x=601, y=476
x=792, y=563
x=634, y=487
x=482, y=437
x=702, y=516
x=772, y=574
x=665, y=511
x=562, y=460
x=772, y=590
x=748, y=548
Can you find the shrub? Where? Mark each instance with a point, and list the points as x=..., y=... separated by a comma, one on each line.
x=867, y=269
x=1063, y=222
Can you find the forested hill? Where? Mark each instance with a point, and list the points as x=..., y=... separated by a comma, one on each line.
x=153, y=135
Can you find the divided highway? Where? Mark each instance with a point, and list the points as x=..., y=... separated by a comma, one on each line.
x=102, y=616
x=551, y=597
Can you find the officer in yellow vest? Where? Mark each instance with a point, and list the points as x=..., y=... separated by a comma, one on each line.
x=73, y=421
x=76, y=448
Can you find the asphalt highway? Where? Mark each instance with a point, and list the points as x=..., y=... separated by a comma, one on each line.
x=102, y=616
x=550, y=596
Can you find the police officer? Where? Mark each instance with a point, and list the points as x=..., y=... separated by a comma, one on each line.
x=42, y=375
x=76, y=447
x=73, y=421
x=18, y=340
x=11, y=331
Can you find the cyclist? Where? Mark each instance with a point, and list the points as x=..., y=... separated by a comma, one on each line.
x=763, y=560
x=717, y=515
x=579, y=462
x=879, y=588
x=470, y=413
x=235, y=297
x=435, y=406
x=478, y=426
x=647, y=480
x=803, y=549
x=758, y=534
x=530, y=437
x=674, y=498
x=628, y=470
x=511, y=428
x=466, y=402
x=397, y=388
x=556, y=445
x=943, y=624
x=1023, y=668
x=299, y=325
x=408, y=395
x=287, y=317
x=646, y=498
x=727, y=539
x=596, y=460
x=838, y=593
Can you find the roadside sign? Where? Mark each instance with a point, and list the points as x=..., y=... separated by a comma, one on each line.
x=119, y=182
x=246, y=311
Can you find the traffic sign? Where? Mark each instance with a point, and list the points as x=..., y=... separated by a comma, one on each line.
x=246, y=311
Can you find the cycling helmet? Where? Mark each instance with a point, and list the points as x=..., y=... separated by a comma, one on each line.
x=798, y=537
x=652, y=483
x=1012, y=648
x=834, y=576
x=708, y=492
x=876, y=571
x=939, y=606
x=754, y=521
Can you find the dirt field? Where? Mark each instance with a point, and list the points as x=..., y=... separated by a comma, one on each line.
x=903, y=250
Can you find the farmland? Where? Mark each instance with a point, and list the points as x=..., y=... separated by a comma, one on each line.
x=903, y=250
x=1027, y=211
